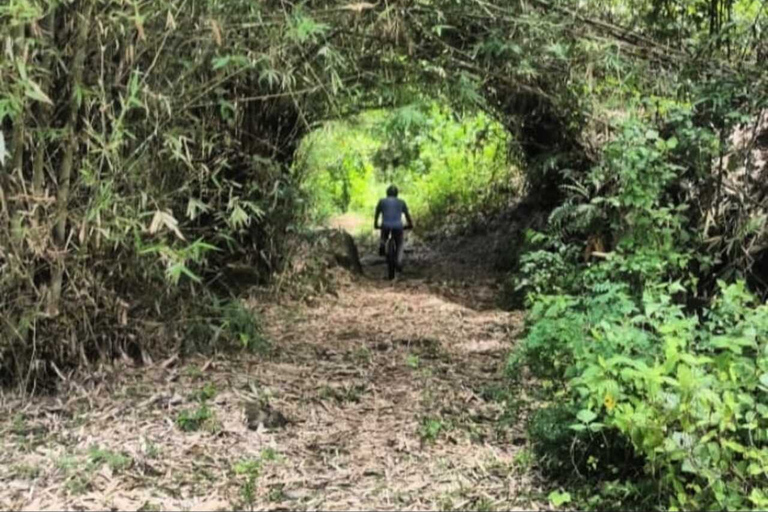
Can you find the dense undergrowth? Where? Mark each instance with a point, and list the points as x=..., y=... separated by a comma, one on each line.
x=650, y=350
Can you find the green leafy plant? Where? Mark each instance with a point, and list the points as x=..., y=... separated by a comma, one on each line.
x=559, y=498
x=116, y=461
x=430, y=429
x=626, y=367
x=207, y=392
x=244, y=326
x=192, y=420
x=225, y=325
x=413, y=361
x=248, y=471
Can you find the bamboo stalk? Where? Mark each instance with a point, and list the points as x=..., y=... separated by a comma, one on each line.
x=17, y=141
x=38, y=167
x=65, y=172
x=18, y=123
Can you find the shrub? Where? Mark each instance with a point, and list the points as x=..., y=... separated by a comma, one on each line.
x=621, y=358
x=688, y=392
x=225, y=325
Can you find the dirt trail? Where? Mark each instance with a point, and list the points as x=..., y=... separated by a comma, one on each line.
x=383, y=386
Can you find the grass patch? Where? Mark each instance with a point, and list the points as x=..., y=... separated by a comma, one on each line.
x=247, y=467
x=66, y=463
x=276, y=494
x=342, y=394
x=78, y=484
x=362, y=356
x=524, y=459
x=19, y=426
x=200, y=418
x=207, y=392
x=116, y=461
x=26, y=471
x=269, y=455
x=148, y=506
x=431, y=428
x=483, y=504
x=151, y=450
x=248, y=471
x=193, y=372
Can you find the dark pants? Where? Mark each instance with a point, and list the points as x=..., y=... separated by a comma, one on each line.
x=397, y=234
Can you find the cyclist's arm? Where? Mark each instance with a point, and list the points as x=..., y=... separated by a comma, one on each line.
x=407, y=214
x=376, y=215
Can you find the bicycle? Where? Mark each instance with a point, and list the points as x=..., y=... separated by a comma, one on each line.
x=390, y=252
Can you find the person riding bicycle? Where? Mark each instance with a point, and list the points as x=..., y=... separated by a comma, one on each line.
x=391, y=209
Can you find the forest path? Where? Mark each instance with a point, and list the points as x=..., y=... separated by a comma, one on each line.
x=387, y=388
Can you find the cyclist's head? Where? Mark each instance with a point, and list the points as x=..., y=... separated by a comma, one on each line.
x=392, y=191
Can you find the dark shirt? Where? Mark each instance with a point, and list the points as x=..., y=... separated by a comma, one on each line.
x=392, y=210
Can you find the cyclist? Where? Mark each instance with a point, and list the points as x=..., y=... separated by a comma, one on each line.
x=391, y=209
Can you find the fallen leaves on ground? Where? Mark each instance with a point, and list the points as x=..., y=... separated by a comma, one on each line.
x=381, y=387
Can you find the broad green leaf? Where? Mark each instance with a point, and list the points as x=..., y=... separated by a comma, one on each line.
x=586, y=416
x=558, y=498
x=220, y=62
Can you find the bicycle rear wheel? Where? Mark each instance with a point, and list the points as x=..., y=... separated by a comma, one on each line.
x=391, y=257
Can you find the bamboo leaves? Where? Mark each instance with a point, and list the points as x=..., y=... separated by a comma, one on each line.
x=33, y=91
x=304, y=29
x=165, y=219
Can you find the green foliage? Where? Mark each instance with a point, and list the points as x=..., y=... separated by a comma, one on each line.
x=346, y=393
x=227, y=325
x=248, y=471
x=632, y=373
x=247, y=467
x=559, y=498
x=445, y=165
x=116, y=461
x=193, y=420
x=81, y=473
x=151, y=450
x=430, y=429
x=134, y=184
x=546, y=266
x=243, y=325
x=685, y=391
x=207, y=392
